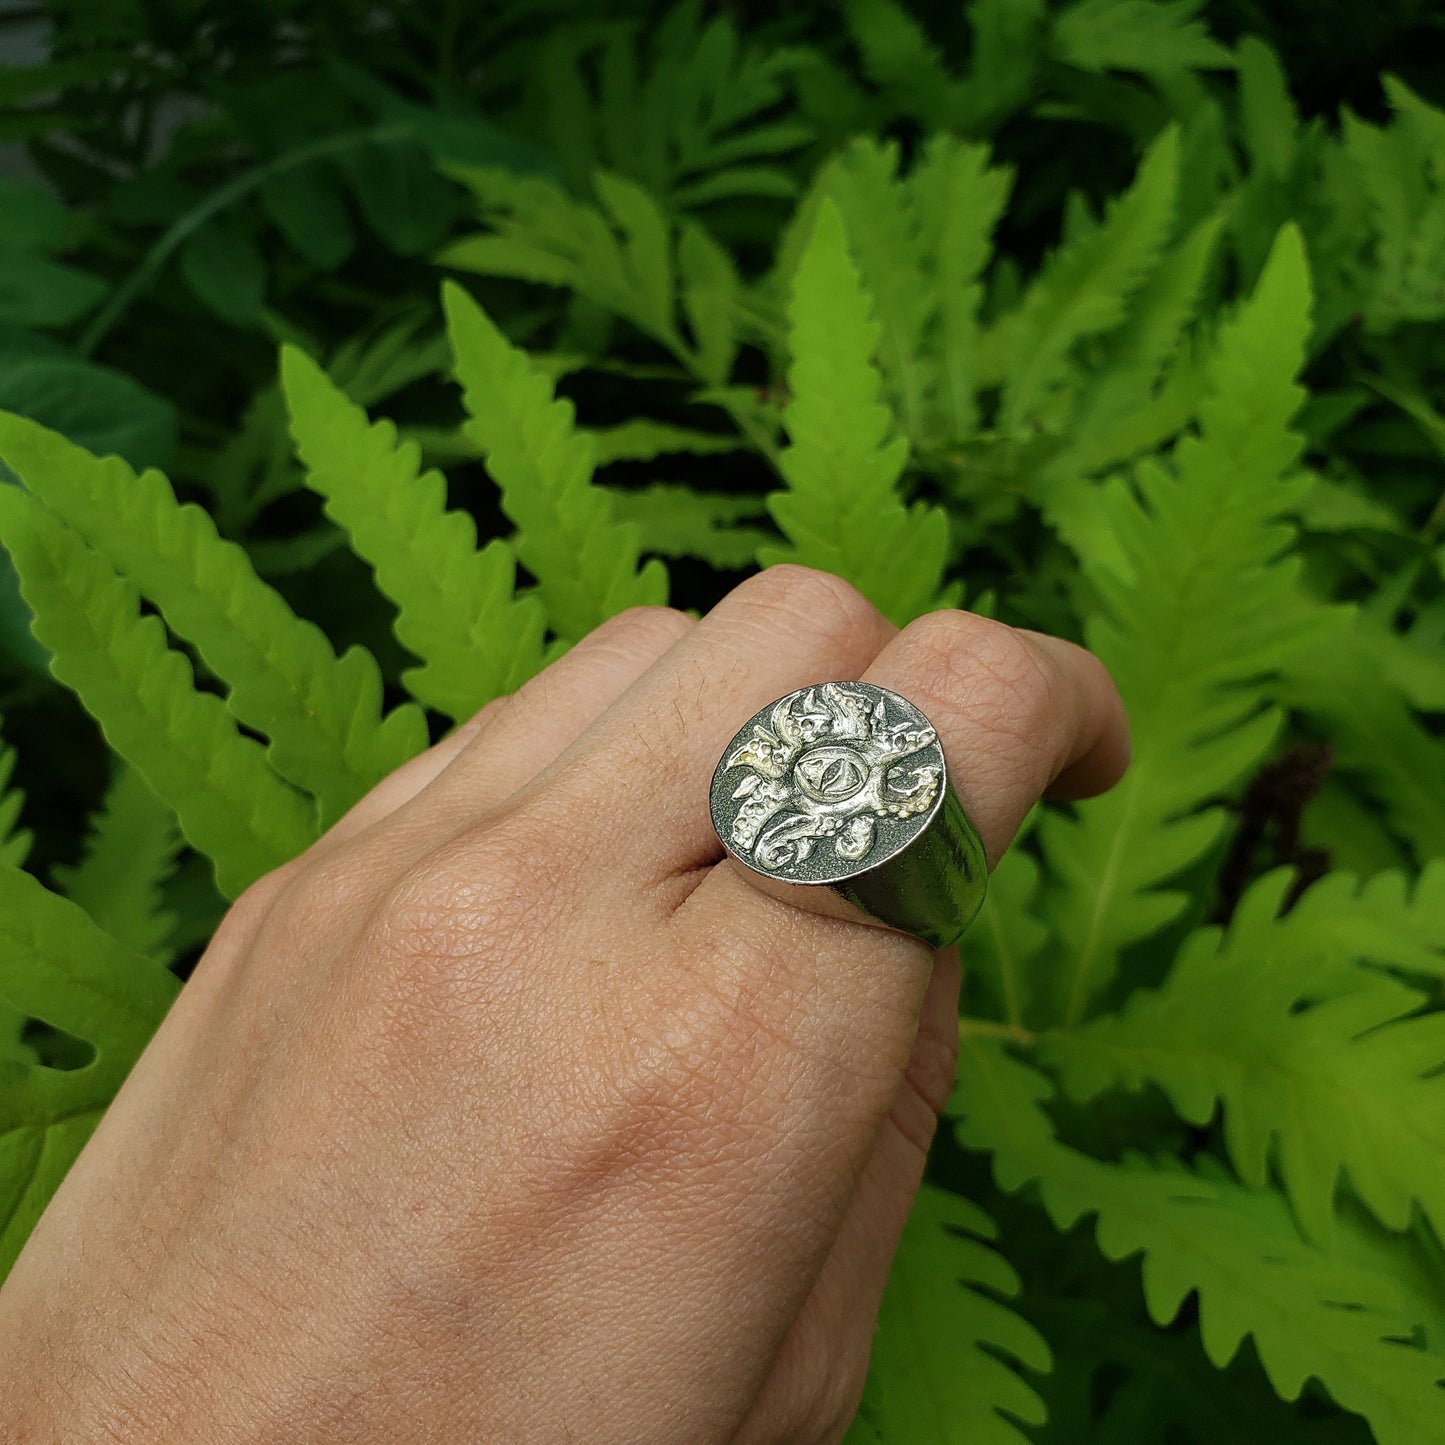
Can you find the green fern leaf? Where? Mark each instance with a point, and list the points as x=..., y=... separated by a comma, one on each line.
x=842, y=511
x=457, y=608
x=1198, y=610
x=1333, y=1067
x=132, y=850
x=946, y=1340
x=688, y=116
x=1084, y=289
x=56, y=965
x=1311, y=1312
x=958, y=199
x=322, y=713
x=919, y=242
x=1105, y=430
x=185, y=744
x=876, y=207
x=679, y=521
x=1375, y=733
x=585, y=561
x=1147, y=36
x=642, y=440
x=898, y=54
x=1001, y=952
x=542, y=234
x=14, y=841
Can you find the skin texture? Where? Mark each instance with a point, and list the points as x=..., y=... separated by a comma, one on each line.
x=510, y=1111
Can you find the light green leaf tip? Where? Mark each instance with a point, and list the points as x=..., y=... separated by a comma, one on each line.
x=585, y=561
x=842, y=511
x=457, y=606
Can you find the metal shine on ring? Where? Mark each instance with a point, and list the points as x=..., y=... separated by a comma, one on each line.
x=844, y=785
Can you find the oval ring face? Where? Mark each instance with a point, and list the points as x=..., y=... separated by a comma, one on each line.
x=827, y=782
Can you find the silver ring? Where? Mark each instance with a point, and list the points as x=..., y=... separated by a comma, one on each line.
x=843, y=786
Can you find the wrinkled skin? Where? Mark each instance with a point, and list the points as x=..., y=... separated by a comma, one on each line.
x=511, y=1111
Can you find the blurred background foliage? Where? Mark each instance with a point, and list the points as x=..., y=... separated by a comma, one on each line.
x=184, y=186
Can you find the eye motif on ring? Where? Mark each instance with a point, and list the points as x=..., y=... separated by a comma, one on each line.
x=828, y=766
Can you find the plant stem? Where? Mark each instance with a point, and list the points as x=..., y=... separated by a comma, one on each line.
x=223, y=196
x=994, y=1029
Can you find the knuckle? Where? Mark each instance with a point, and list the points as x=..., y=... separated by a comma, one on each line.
x=827, y=1391
x=647, y=627
x=822, y=600
x=991, y=672
x=495, y=878
x=322, y=892
x=446, y=930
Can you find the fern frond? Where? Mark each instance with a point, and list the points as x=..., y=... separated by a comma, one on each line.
x=542, y=234
x=1330, y=1064
x=625, y=255
x=457, y=608
x=947, y=1341
x=131, y=852
x=1104, y=431
x=920, y=242
x=1198, y=608
x=876, y=207
x=185, y=743
x=56, y=965
x=898, y=55
x=958, y=199
x=1146, y=36
x=585, y=562
x=841, y=511
x=642, y=440
x=1084, y=288
x=322, y=713
x=1398, y=171
x=1310, y=1312
x=14, y=841
x=679, y=521
x=1374, y=731
x=1004, y=942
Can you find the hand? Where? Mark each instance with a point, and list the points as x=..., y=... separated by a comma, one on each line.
x=510, y=1111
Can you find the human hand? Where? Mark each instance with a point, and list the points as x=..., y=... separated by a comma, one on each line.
x=510, y=1111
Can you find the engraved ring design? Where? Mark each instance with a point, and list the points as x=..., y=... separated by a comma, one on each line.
x=844, y=786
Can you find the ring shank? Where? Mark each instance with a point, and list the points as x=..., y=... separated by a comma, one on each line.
x=932, y=889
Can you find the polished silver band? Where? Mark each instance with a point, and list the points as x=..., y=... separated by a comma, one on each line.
x=843, y=786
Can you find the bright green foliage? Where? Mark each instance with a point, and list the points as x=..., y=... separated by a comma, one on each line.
x=678, y=521
x=183, y=742
x=1084, y=289
x=919, y=243
x=1329, y=1062
x=944, y=1335
x=322, y=713
x=842, y=511
x=641, y=440
x=1310, y=1312
x=626, y=256
x=1062, y=305
x=130, y=854
x=1196, y=600
x=56, y=965
x=456, y=605
x=585, y=562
